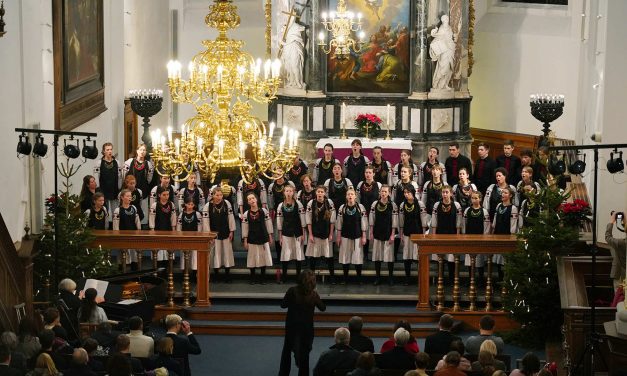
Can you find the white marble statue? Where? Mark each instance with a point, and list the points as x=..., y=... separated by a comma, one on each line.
x=442, y=50
x=621, y=319
x=293, y=56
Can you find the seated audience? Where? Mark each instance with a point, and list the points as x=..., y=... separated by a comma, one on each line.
x=499, y=373
x=398, y=357
x=142, y=346
x=47, y=339
x=464, y=364
x=163, y=357
x=5, y=362
x=79, y=366
x=44, y=366
x=89, y=310
x=122, y=344
x=183, y=345
x=440, y=342
x=105, y=335
x=28, y=339
x=52, y=321
x=422, y=362
x=18, y=360
x=365, y=365
x=67, y=293
x=486, y=331
x=359, y=341
x=451, y=361
x=91, y=347
x=411, y=346
x=338, y=356
x=530, y=366
x=119, y=365
x=485, y=364
x=490, y=347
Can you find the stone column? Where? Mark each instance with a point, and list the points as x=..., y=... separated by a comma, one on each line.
x=421, y=52
x=315, y=56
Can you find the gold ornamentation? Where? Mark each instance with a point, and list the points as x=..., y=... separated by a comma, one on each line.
x=342, y=25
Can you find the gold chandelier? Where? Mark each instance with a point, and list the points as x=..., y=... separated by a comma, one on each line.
x=222, y=81
x=341, y=24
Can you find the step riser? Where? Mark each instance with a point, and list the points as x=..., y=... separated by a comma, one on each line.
x=331, y=317
x=279, y=331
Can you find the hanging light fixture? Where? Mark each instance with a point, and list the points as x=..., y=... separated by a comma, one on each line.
x=578, y=166
x=2, y=23
x=223, y=80
x=70, y=150
x=342, y=24
x=23, y=145
x=615, y=165
x=89, y=151
x=40, y=149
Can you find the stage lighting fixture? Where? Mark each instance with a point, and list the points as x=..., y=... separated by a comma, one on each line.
x=89, y=152
x=578, y=166
x=70, y=150
x=40, y=149
x=615, y=165
x=556, y=166
x=23, y=146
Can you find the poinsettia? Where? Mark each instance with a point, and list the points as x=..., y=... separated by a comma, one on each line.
x=575, y=213
x=368, y=124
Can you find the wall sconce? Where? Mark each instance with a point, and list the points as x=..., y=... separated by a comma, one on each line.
x=2, y=24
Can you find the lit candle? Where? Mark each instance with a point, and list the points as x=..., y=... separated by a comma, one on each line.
x=262, y=147
x=153, y=137
x=219, y=74
x=266, y=69
x=276, y=68
x=272, y=126
x=199, y=145
x=177, y=146
x=242, y=149
x=321, y=37
x=282, y=144
x=183, y=131
x=220, y=148
x=191, y=67
x=388, y=116
x=162, y=143
x=169, y=134
x=170, y=67
x=343, y=112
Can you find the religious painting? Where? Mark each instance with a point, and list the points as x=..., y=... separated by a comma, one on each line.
x=382, y=64
x=78, y=61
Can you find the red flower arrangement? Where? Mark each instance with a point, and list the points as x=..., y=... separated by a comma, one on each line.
x=575, y=213
x=368, y=124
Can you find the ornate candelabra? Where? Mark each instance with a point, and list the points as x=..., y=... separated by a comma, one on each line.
x=146, y=103
x=2, y=23
x=546, y=108
x=341, y=24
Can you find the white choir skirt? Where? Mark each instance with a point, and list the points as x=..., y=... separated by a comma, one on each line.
x=291, y=249
x=351, y=252
x=319, y=248
x=498, y=259
x=480, y=261
x=131, y=256
x=258, y=255
x=223, y=254
x=382, y=250
x=146, y=210
x=447, y=257
x=193, y=261
x=162, y=255
x=410, y=249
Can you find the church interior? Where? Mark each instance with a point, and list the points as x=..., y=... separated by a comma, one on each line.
x=239, y=147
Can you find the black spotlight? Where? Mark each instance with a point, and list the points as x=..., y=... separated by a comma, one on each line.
x=578, y=166
x=556, y=166
x=615, y=165
x=70, y=150
x=89, y=152
x=23, y=146
x=40, y=149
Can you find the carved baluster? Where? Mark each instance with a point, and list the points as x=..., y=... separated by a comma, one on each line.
x=140, y=258
x=124, y=256
x=155, y=262
x=456, y=286
x=187, y=260
x=473, y=290
x=440, y=289
x=170, y=278
x=503, y=293
x=488, y=285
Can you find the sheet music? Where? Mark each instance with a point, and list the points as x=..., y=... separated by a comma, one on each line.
x=100, y=286
x=129, y=301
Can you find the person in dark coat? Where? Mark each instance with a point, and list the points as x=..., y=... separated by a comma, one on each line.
x=163, y=357
x=359, y=341
x=455, y=162
x=183, y=345
x=301, y=301
x=5, y=360
x=79, y=366
x=440, y=342
x=398, y=358
x=509, y=162
x=338, y=357
x=484, y=168
x=105, y=335
x=365, y=366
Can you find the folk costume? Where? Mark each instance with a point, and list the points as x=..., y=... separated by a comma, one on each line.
x=354, y=168
x=461, y=194
x=383, y=223
x=189, y=222
x=98, y=220
x=219, y=218
x=382, y=172
x=162, y=217
x=320, y=218
x=493, y=198
x=425, y=175
x=412, y=219
x=127, y=219
x=337, y=190
x=291, y=224
x=351, y=225
x=256, y=186
x=476, y=221
x=447, y=219
x=196, y=194
x=323, y=170
x=396, y=172
x=256, y=229
x=143, y=172
x=109, y=179
x=296, y=172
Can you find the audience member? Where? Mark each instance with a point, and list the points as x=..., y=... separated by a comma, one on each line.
x=365, y=365
x=338, y=356
x=618, y=249
x=485, y=364
x=499, y=373
x=142, y=346
x=440, y=342
x=422, y=362
x=122, y=344
x=486, y=331
x=451, y=361
x=5, y=362
x=67, y=293
x=47, y=340
x=530, y=365
x=413, y=372
x=464, y=364
x=18, y=360
x=183, y=345
x=411, y=346
x=79, y=366
x=398, y=357
x=163, y=357
x=91, y=347
x=45, y=366
x=489, y=346
x=119, y=365
x=359, y=341
x=52, y=321
x=105, y=335
x=89, y=310
x=28, y=338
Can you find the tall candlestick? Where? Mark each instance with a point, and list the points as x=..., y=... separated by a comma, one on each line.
x=387, y=136
x=343, y=124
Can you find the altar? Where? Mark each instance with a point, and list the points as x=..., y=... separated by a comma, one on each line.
x=342, y=147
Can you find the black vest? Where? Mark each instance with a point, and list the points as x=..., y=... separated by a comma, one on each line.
x=294, y=174
x=140, y=171
x=383, y=221
x=495, y=199
x=412, y=222
x=426, y=171
x=399, y=195
x=97, y=220
x=127, y=218
x=194, y=194
x=351, y=222
x=278, y=193
x=108, y=180
x=325, y=170
x=463, y=200
x=474, y=221
x=257, y=232
x=320, y=225
x=292, y=226
x=355, y=168
x=219, y=219
x=447, y=221
x=337, y=192
x=381, y=172
x=368, y=194
x=434, y=194
x=503, y=216
x=136, y=201
x=254, y=187
x=163, y=216
x=305, y=197
x=189, y=221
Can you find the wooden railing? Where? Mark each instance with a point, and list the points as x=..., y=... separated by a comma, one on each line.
x=16, y=278
x=474, y=245
x=170, y=241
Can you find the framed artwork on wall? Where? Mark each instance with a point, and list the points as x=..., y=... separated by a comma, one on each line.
x=383, y=64
x=78, y=61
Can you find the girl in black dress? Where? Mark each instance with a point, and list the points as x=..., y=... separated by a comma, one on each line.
x=97, y=215
x=337, y=186
x=108, y=173
x=143, y=171
x=446, y=218
x=190, y=220
x=320, y=217
x=257, y=233
x=130, y=183
x=191, y=189
x=505, y=222
x=87, y=192
x=162, y=217
x=323, y=166
x=463, y=190
x=126, y=217
x=291, y=229
x=412, y=219
x=476, y=221
x=297, y=171
x=367, y=193
x=355, y=164
x=218, y=217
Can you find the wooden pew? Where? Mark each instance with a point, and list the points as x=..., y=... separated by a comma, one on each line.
x=171, y=241
x=441, y=244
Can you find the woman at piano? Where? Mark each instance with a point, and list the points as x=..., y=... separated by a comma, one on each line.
x=89, y=312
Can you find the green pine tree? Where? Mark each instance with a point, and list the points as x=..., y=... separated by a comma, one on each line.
x=533, y=297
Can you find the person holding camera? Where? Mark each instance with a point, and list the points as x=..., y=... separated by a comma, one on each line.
x=618, y=247
x=184, y=344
